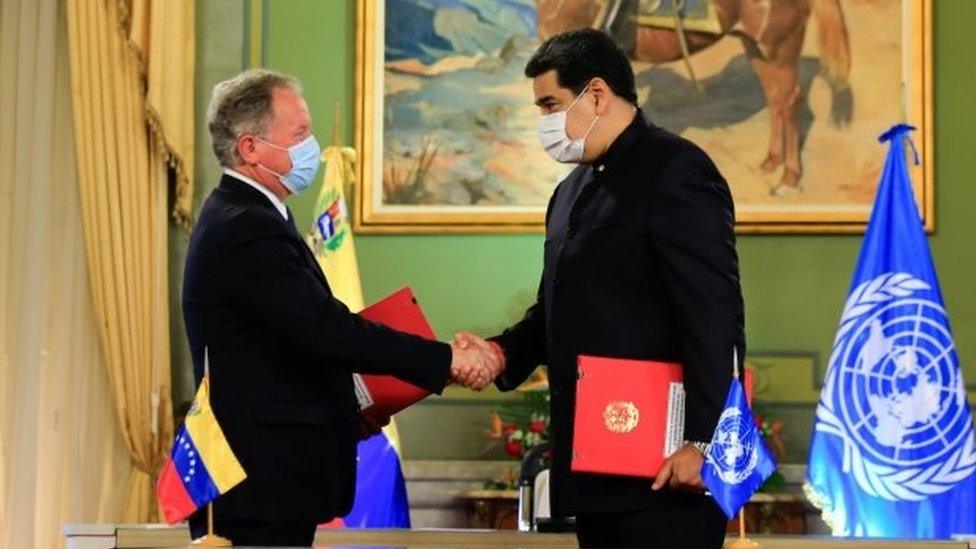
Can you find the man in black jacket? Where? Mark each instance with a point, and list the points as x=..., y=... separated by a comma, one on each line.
x=640, y=263
x=280, y=348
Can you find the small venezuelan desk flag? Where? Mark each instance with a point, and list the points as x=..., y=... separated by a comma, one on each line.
x=201, y=466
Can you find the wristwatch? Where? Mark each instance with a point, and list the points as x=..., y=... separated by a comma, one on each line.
x=702, y=447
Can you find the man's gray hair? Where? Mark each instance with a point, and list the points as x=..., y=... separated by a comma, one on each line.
x=243, y=105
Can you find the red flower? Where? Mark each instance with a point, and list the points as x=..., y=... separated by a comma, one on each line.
x=513, y=448
x=537, y=427
x=509, y=428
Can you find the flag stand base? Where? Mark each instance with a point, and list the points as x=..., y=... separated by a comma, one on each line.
x=742, y=542
x=211, y=540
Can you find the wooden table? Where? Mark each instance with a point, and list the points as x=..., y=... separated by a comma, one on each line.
x=492, y=509
x=127, y=536
x=765, y=513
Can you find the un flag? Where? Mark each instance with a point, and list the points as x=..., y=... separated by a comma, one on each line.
x=893, y=452
x=737, y=461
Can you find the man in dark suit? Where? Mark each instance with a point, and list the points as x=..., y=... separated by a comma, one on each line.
x=640, y=263
x=280, y=348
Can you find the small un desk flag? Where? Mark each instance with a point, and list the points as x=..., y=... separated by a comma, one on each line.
x=737, y=461
x=892, y=452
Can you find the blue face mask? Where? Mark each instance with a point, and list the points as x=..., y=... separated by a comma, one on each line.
x=304, y=164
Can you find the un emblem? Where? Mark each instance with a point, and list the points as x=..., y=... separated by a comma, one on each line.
x=733, y=452
x=894, y=393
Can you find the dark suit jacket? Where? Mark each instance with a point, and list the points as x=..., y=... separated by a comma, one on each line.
x=640, y=263
x=282, y=351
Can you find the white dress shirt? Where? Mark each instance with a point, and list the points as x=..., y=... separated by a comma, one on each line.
x=275, y=201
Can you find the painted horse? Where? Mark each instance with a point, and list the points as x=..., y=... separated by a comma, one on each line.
x=772, y=33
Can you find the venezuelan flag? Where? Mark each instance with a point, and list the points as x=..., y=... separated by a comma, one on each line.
x=381, y=491
x=201, y=465
x=330, y=236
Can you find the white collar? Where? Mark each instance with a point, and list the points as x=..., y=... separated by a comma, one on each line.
x=275, y=201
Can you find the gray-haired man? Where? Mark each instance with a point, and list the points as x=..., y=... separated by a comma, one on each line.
x=281, y=348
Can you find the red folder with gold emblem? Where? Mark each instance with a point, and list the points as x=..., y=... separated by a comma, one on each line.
x=629, y=416
x=382, y=396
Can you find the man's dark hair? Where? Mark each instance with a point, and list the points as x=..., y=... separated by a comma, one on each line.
x=579, y=56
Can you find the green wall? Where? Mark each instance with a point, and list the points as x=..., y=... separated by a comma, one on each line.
x=794, y=285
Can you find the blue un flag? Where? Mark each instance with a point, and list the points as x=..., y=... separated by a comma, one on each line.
x=737, y=461
x=892, y=451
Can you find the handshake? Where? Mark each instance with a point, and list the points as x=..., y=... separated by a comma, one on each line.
x=475, y=363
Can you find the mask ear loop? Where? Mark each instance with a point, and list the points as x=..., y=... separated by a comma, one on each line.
x=571, y=105
x=267, y=169
x=270, y=144
x=575, y=101
x=588, y=130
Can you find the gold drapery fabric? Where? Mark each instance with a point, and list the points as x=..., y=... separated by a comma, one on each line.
x=62, y=459
x=161, y=34
x=132, y=83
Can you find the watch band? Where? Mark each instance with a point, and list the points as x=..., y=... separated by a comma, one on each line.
x=702, y=447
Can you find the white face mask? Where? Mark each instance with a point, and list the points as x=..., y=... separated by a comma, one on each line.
x=552, y=133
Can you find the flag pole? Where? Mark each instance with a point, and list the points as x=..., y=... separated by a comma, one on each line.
x=210, y=539
x=735, y=362
x=336, y=128
x=742, y=542
x=347, y=187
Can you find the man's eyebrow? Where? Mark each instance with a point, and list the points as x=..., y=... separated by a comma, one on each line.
x=544, y=100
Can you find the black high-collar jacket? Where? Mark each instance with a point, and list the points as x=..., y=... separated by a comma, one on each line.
x=640, y=262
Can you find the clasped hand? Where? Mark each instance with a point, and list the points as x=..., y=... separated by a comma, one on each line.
x=682, y=471
x=475, y=362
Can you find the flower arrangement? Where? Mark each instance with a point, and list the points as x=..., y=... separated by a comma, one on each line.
x=522, y=425
x=771, y=431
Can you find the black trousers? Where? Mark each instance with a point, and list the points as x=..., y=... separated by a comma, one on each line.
x=256, y=532
x=699, y=526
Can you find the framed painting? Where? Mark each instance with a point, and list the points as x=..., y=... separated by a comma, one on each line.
x=788, y=98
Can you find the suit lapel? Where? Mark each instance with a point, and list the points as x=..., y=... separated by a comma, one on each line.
x=307, y=254
x=252, y=197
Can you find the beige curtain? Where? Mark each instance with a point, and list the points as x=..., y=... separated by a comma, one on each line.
x=132, y=79
x=161, y=34
x=62, y=459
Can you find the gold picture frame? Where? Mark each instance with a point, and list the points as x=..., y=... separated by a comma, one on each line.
x=374, y=214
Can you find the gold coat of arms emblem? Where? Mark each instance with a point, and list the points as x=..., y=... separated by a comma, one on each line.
x=621, y=416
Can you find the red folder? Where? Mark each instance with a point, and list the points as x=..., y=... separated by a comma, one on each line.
x=630, y=416
x=382, y=396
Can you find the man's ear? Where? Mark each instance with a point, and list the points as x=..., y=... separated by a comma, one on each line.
x=601, y=94
x=246, y=149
